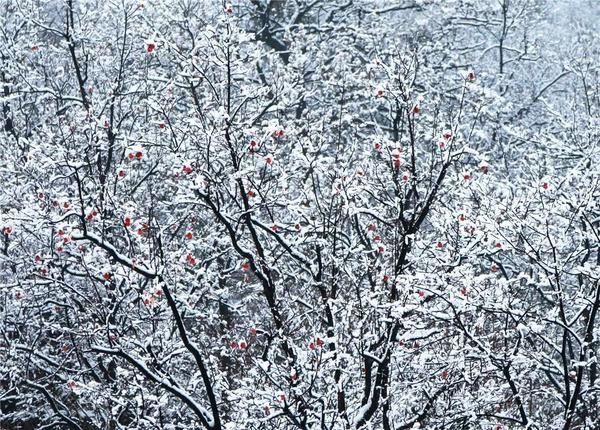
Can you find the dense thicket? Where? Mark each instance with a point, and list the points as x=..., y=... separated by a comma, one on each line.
x=308, y=214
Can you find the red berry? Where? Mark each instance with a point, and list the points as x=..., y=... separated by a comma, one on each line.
x=150, y=47
x=191, y=260
x=122, y=173
x=127, y=221
x=189, y=235
x=246, y=266
x=371, y=227
x=139, y=155
x=106, y=276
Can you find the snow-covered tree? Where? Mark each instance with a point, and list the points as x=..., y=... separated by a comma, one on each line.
x=299, y=214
